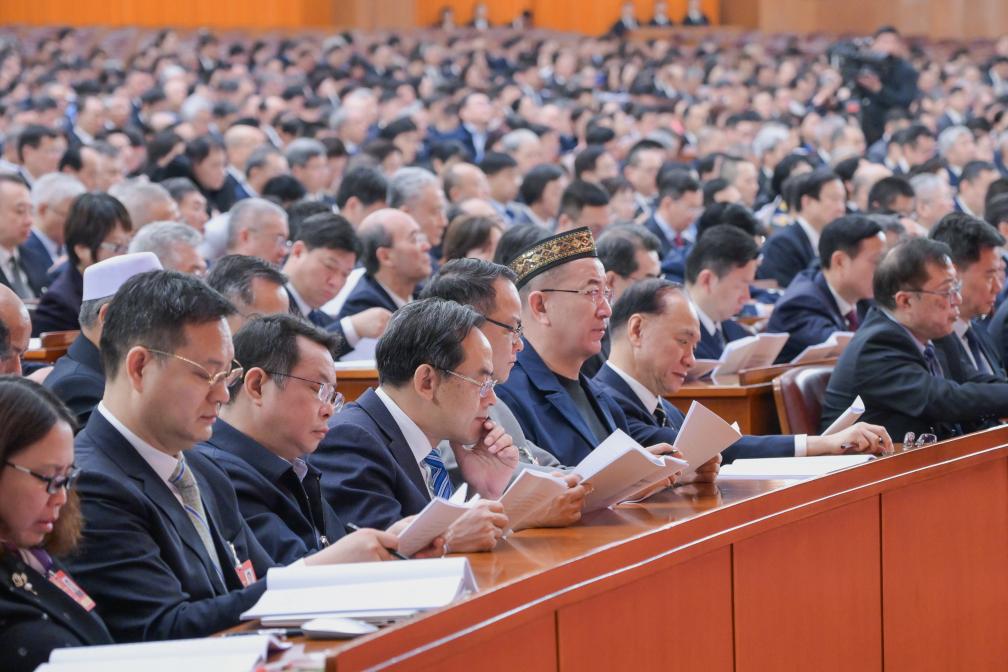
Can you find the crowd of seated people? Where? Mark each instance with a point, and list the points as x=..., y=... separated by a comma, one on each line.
x=533, y=235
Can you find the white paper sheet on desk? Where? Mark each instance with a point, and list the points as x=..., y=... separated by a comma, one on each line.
x=703, y=435
x=433, y=521
x=218, y=653
x=848, y=417
x=530, y=494
x=365, y=350
x=234, y=662
x=775, y=468
x=356, y=365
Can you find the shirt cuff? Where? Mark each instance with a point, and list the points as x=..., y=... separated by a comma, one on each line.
x=349, y=333
x=800, y=445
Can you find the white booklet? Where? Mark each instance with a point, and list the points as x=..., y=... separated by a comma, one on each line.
x=703, y=435
x=529, y=495
x=433, y=521
x=831, y=347
x=237, y=654
x=701, y=368
x=751, y=352
x=848, y=417
x=365, y=351
x=362, y=589
x=775, y=468
x=620, y=468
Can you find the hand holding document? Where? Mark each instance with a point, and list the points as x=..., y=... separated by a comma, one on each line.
x=703, y=435
x=530, y=495
x=433, y=521
x=847, y=418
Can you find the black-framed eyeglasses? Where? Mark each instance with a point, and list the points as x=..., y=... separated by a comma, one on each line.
x=228, y=377
x=484, y=387
x=516, y=331
x=53, y=483
x=948, y=294
x=327, y=393
x=595, y=294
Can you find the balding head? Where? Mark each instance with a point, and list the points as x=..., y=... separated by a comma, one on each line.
x=15, y=330
x=392, y=239
x=240, y=141
x=465, y=181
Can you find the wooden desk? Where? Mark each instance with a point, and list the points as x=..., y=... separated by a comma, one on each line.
x=752, y=406
x=884, y=565
x=52, y=346
x=353, y=383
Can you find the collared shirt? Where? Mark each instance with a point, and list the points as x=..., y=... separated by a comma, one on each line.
x=5, y=266
x=300, y=468
x=646, y=396
x=479, y=139
x=85, y=137
x=670, y=233
x=417, y=440
x=349, y=333
x=960, y=328
x=51, y=246
x=709, y=325
x=163, y=464
x=920, y=345
x=965, y=208
x=844, y=306
x=810, y=232
x=396, y=299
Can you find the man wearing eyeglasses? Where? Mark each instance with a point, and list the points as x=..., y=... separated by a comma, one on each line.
x=258, y=228
x=166, y=553
x=379, y=460
x=892, y=361
x=274, y=420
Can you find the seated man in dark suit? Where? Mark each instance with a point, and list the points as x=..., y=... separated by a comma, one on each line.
x=15, y=331
x=976, y=255
x=719, y=270
x=565, y=308
x=252, y=286
x=77, y=377
x=275, y=418
x=166, y=553
x=325, y=250
x=395, y=261
x=655, y=329
x=819, y=198
x=818, y=303
x=679, y=203
x=379, y=460
x=891, y=361
x=15, y=228
x=52, y=196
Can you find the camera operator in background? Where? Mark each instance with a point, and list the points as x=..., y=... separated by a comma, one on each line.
x=884, y=82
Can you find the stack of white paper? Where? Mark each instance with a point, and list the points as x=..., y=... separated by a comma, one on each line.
x=620, y=468
x=776, y=468
x=366, y=590
x=221, y=654
x=433, y=521
x=831, y=347
x=703, y=435
x=530, y=495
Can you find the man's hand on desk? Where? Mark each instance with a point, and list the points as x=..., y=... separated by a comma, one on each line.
x=565, y=509
x=705, y=473
x=478, y=529
x=371, y=323
x=436, y=548
x=364, y=545
x=489, y=465
x=860, y=437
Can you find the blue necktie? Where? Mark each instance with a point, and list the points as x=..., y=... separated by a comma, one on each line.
x=318, y=318
x=982, y=365
x=932, y=361
x=439, y=475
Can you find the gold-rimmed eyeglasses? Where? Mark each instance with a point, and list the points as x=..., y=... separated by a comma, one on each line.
x=228, y=377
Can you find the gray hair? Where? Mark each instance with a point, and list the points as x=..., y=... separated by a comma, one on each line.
x=408, y=184
x=511, y=142
x=55, y=188
x=259, y=156
x=768, y=138
x=193, y=106
x=139, y=196
x=948, y=137
x=925, y=185
x=303, y=150
x=161, y=239
x=246, y=213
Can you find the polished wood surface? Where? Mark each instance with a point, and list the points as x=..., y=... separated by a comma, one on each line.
x=752, y=406
x=354, y=383
x=52, y=346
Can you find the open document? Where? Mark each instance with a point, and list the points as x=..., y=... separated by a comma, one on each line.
x=751, y=352
x=828, y=349
x=620, y=468
x=221, y=654
x=703, y=435
x=433, y=521
x=779, y=468
x=372, y=591
x=848, y=417
x=530, y=495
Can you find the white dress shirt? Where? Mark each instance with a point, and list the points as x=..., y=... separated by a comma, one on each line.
x=415, y=438
x=163, y=464
x=349, y=333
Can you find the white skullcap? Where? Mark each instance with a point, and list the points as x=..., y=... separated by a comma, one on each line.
x=106, y=277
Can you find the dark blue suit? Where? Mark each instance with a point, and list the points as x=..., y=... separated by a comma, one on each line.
x=547, y=413
x=78, y=378
x=58, y=309
x=808, y=312
x=960, y=367
x=366, y=294
x=36, y=262
x=287, y=515
x=785, y=254
x=710, y=348
x=369, y=474
x=29, y=263
x=322, y=320
x=141, y=558
x=997, y=331
x=645, y=430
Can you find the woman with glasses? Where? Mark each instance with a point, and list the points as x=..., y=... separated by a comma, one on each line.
x=97, y=228
x=41, y=607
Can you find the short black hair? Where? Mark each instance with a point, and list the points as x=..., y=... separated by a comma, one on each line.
x=722, y=249
x=198, y=149
x=711, y=189
x=469, y=282
x=845, y=234
x=996, y=211
x=905, y=267
x=674, y=183
x=731, y=214
x=966, y=237
x=599, y=135
x=587, y=159
x=973, y=169
x=232, y=276
x=269, y=342
x=646, y=296
x=299, y=211
x=32, y=136
x=997, y=188
x=284, y=189
x=912, y=134
x=330, y=231
x=536, y=180
x=92, y=217
x=845, y=169
x=784, y=169
x=811, y=184
x=426, y=331
x=397, y=127
x=580, y=194
x=617, y=247
x=366, y=183
x=446, y=150
x=153, y=309
x=178, y=187
x=516, y=239
x=884, y=193
x=465, y=232
x=495, y=162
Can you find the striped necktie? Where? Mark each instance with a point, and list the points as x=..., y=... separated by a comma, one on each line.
x=184, y=480
x=441, y=484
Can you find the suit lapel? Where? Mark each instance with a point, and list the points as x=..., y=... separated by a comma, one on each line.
x=371, y=404
x=546, y=381
x=827, y=297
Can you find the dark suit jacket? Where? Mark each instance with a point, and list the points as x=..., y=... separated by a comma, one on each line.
x=785, y=254
x=808, y=312
x=709, y=348
x=36, y=262
x=547, y=413
x=322, y=320
x=59, y=307
x=997, y=331
x=645, y=430
x=274, y=503
x=369, y=474
x=141, y=558
x=78, y=378
x=32, y=624
x=366, y=294
x=884, y=365
x=958, y=367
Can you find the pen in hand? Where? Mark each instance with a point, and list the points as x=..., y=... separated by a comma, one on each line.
x=354, y=528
